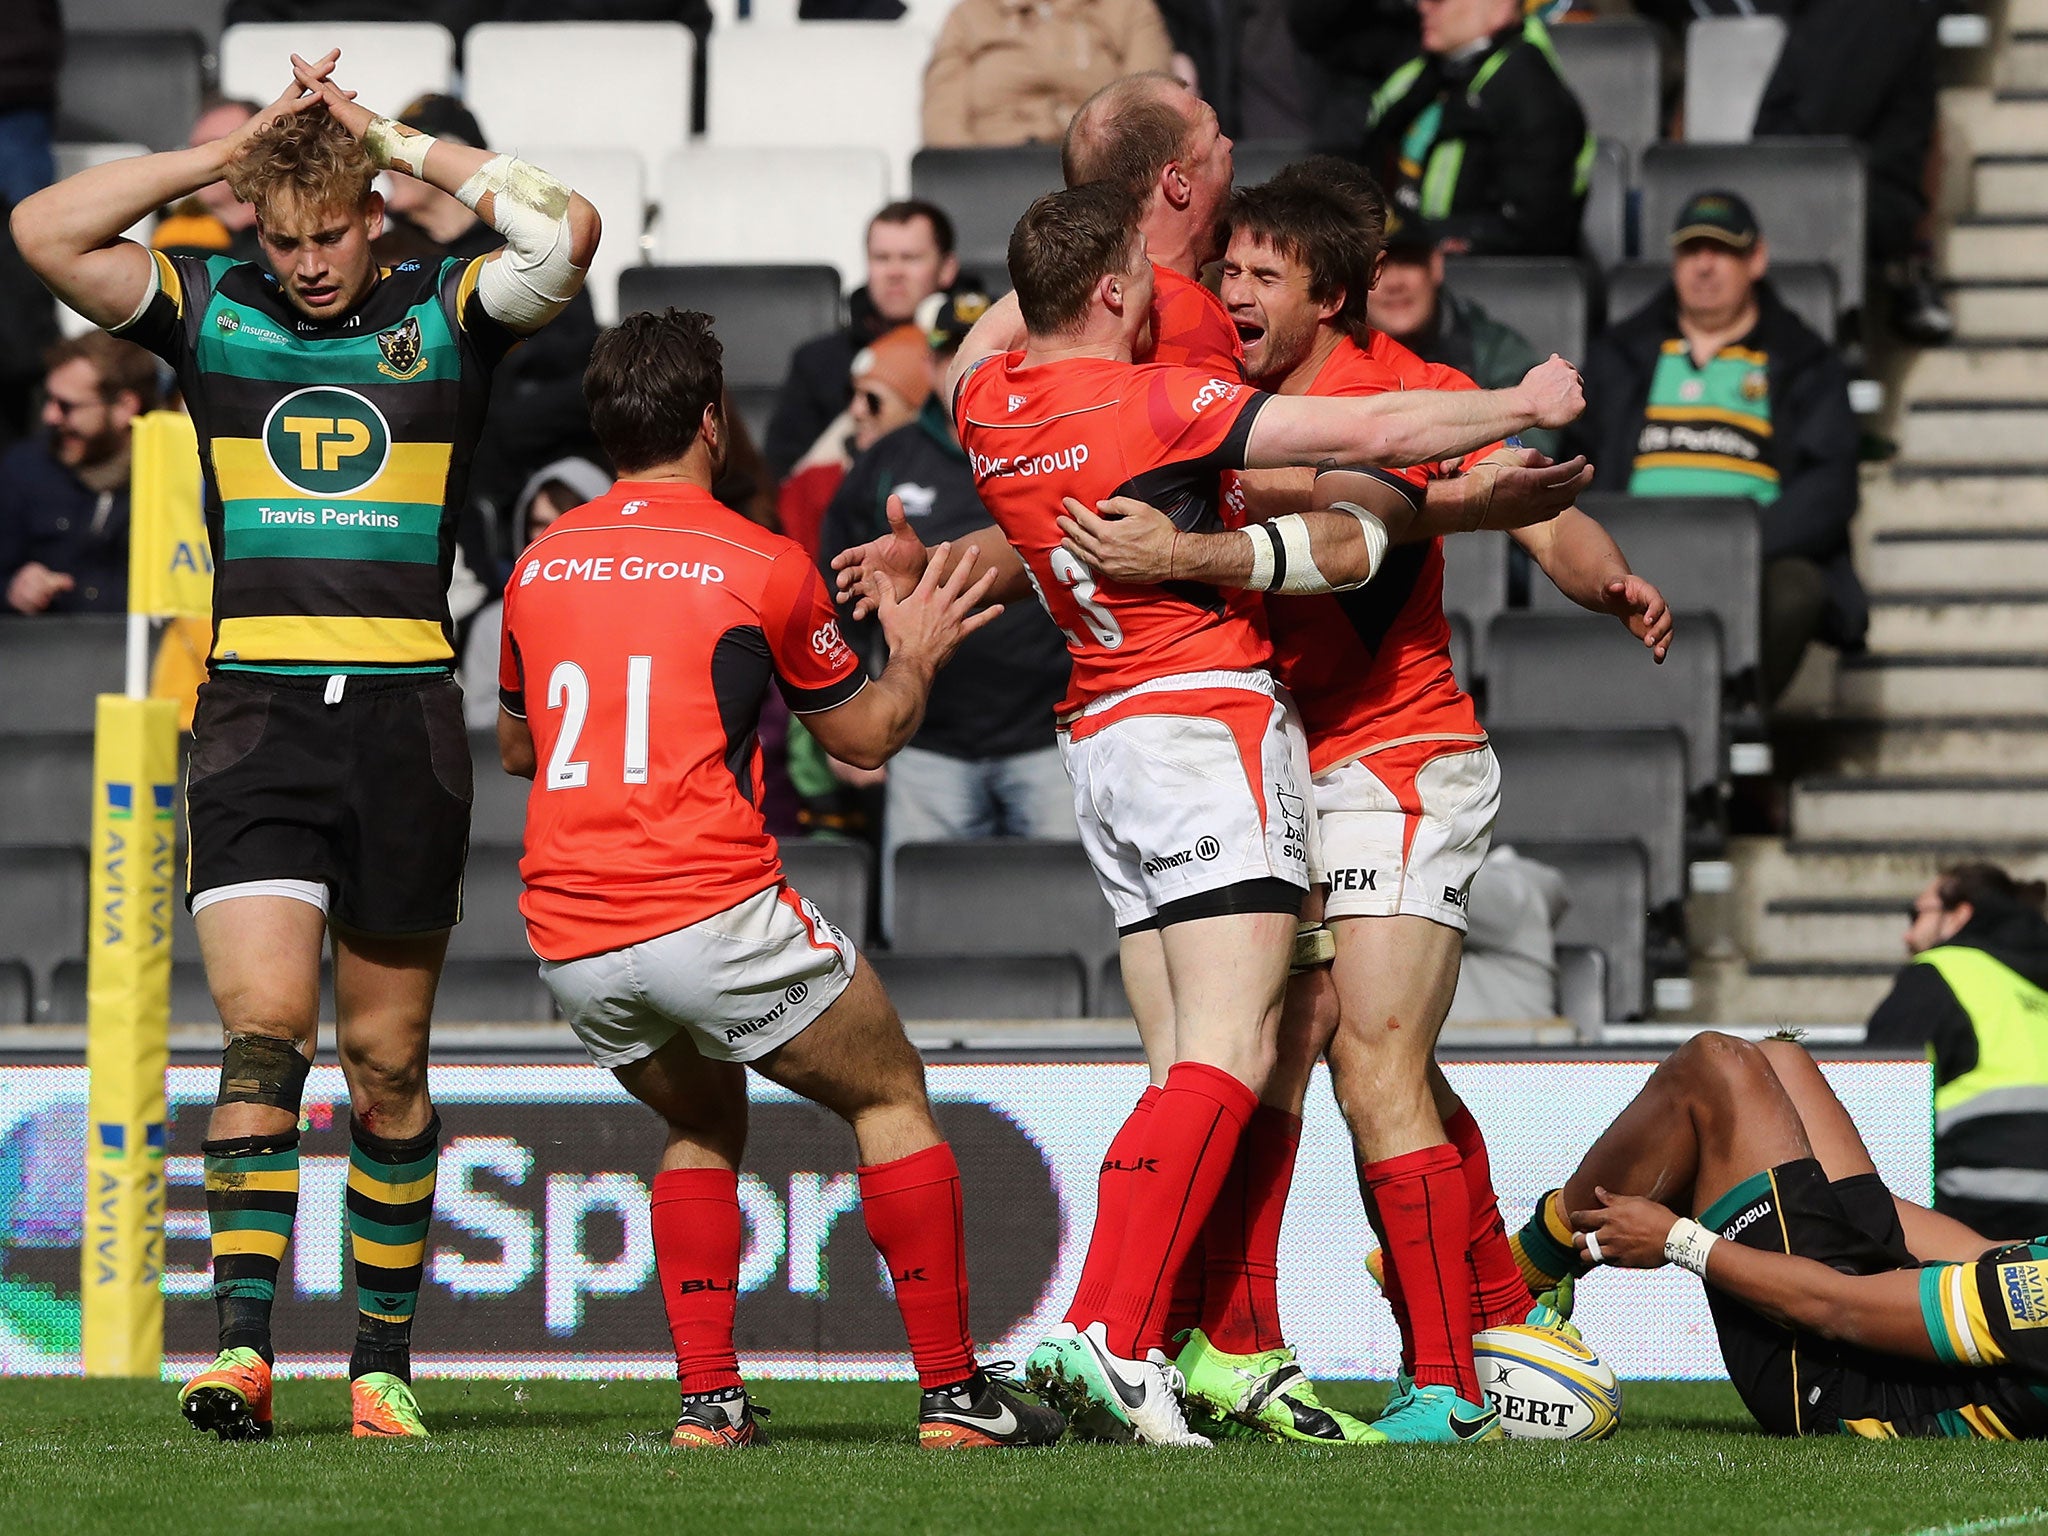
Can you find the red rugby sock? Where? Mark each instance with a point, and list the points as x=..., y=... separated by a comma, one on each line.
x=1112, y=1202
x=1499, y=1293
x=913, y=1211
x=1241, y=1297
x=1421, y=1200
x=697, y=1254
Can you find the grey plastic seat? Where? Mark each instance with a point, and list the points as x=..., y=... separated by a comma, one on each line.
x=491, y=927
x=17, y=993
x=1582, y=988
x=202, y=16
x=984, y=193
x=42, y=912
x=493, y=992
x=1595, y=786
x=1808, y=289
x=1728, y=63
x=1809, y=196
x=130, y=87
x=983, y=986
x=1002, y=896
x=1607, y=891
x=834, y=876
x=1548, y=299
x=497, y=815
x=49, y=789
x=53, y=666
x=1604, y=224
x=1704, y=553
x=1613, y=69
x=1583, y=669
x=1253, y=161
x=1476, y=589
x=191, y=999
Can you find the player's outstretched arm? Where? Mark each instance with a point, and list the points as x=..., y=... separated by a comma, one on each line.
x=1402, y=427
x=1880, y=1312
x=923, y=630
x=1513, y=488
x=898, y=560
x=1586, y=565
x=70, y=233
x=551, y=231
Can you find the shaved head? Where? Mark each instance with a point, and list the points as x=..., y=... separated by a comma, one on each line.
x=1128, y=132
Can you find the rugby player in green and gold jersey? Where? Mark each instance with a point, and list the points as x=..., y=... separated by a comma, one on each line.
x=329, y=784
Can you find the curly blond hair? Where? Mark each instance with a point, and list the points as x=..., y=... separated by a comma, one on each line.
x=309, y=161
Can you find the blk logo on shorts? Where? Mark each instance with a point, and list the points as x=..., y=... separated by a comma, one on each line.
x=1453, y=897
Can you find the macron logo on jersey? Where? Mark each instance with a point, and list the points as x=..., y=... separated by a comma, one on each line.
x=631, y=568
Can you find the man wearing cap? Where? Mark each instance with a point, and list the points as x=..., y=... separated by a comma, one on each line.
x=984, y=763
x=1715, y=388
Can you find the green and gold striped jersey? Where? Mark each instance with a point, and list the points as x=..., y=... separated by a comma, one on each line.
x=335, y=453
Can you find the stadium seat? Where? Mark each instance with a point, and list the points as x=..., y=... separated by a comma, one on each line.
x=1547, y=298
x=191, y=999
x=52, y=666
x=1594, y=786
x=1002, y=896
x=1607, y=895
x=1612, y=67
x=593, y=85
x=985, y=192
x=1461, y=651
x=1476, y=587
x=386, y=63
x=1258, y=160
x=493, y=992
x=862, y=84
x=491, y=927
x=1604, y=226
x=201, y=16
x=1705, y=554
x=142, y=86
x=1582, y=669
x=49, y=790
x=1728, y=62
x=614, y=182
x=835, y=877
x=763, y=315
x=42, y=912
x=1809, y=195
x=17, y=994
x=497, y=815
x=713, y=210
x=1582, y=988
x=1808, y=289
x=983, y=986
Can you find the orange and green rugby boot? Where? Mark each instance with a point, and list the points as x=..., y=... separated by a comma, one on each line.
x=231, y=1397
x=384, y=1409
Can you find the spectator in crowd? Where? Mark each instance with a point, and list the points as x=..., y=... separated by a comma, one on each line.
x=1975, y=998
x=64, y=497
x=910, y=257
x=1865, y=69
x=1241, y=57
x=1509, y=970
x=1411, y=304
x=31, y=46
x=1481, y=136
x=1349, y=48
x=983, y=764
x=213, y=221
x=892, y=379
x=1014, y=71
x=1715, y=388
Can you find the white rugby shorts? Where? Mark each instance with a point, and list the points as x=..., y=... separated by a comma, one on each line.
x=742, y=982
x=1189, y=784
x=1404, y=829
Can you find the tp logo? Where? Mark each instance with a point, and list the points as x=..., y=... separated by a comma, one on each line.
x=326, y=442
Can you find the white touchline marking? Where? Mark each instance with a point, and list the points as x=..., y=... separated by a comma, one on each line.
x=1995, y=1523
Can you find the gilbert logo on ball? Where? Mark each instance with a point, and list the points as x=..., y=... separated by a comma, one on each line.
x=326, y=442
x=1547, y=1385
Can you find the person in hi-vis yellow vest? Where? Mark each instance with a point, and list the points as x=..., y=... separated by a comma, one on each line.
x=1976, y=998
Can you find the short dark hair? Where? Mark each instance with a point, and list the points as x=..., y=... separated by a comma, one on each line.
x=123, y=367
x=1986, y=885
x=649, y=380
x=905, y=209
x=1333, y=229
x=1126, y=133
x=1063, y=246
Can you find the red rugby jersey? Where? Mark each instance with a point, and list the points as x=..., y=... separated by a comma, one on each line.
x=640, y=635
x=1190, y=326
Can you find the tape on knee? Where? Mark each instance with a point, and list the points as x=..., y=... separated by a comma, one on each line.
x=1314, y=945
x=262, y=1069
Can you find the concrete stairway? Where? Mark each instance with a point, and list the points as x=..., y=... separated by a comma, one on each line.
x=1934, y=746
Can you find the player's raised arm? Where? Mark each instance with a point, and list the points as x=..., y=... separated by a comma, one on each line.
x=70, y=233
x=1514, y=488
x=551, y=231
x=1410, y=426
x=898, y=560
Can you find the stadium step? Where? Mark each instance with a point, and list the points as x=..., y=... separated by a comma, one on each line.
x=1831, y=928
x=1934, y=685
x=1995, y=246
x=2014, y=183
x=1998, y=123
x=2001, y=311
x=1915, y=497
x=2023, y=62
x=1897, y=747
x=1788, y=992
x=1975, y=432
x=1977, y=561
x=1960, y=621
x=1772, y=869
x=1975, y=372
x=1953, y=808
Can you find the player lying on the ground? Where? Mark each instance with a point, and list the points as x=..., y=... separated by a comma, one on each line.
x=329, y=791
x=641, y=633
x=1840, y=1308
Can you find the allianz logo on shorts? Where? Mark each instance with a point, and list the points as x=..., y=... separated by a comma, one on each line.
x=797, y=992
x=326, y=442
x=1205, y=849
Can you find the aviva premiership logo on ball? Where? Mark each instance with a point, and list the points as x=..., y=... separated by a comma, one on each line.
x=326, y=442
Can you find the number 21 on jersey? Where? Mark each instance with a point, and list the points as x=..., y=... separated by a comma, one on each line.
x=569, y=691
x=1078, y=582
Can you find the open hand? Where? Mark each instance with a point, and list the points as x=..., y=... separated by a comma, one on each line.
x=340, y=104
x=1629, y=1229
x=1555, y=392
x=940, y=611
x=1524, y=488
x=1641, y=607
x=896, y=561
x=1124, y=539
x=300, y=96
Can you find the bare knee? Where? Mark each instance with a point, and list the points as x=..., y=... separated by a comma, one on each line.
x=387, y=1082
x=1711, y=1059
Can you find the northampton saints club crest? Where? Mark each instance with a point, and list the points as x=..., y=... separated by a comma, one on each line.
x=404, y=355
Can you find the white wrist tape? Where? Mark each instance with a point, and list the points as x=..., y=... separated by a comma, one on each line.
x=533, y=279
x=393, y=144
x=1261, y=579
x=1376, y=541
x=1283, y=554
x=1688, y=1244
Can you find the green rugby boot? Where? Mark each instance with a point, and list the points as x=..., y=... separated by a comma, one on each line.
x=1268, y=1392
x=384, y=1408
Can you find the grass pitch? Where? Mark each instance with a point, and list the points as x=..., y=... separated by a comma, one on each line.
x=541, y=1456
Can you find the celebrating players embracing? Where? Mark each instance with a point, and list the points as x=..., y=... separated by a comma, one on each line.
x=329, y=784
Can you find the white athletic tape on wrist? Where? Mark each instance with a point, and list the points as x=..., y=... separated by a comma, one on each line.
x=1376, y=541
x=1593, y=1248
x=534, y=279
x=1688, y=1244
x=1261, y=579
x=392, y=144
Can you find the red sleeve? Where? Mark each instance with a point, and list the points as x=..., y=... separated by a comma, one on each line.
x=1186, y=415
x=814, y=665
x=511, y=674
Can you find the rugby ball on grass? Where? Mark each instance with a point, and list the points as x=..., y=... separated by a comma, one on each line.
x=1547, y=1385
